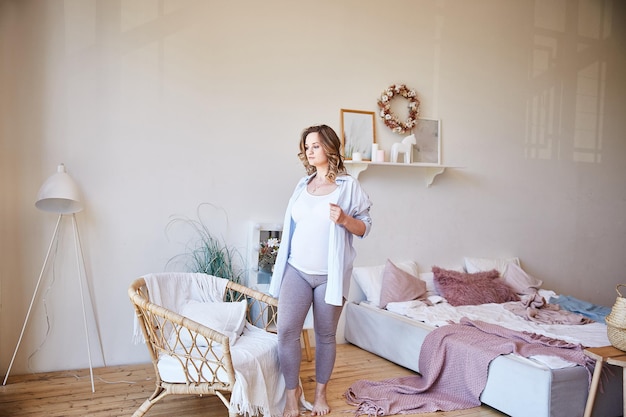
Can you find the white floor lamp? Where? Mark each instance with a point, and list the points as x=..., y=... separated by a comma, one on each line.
x=59, y=194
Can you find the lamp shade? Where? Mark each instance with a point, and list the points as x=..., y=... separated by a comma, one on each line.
x=59, y=194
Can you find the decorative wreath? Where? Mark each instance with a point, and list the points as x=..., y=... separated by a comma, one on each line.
x=392, y=121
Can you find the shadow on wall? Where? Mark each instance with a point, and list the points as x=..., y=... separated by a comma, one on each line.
x=564, y=115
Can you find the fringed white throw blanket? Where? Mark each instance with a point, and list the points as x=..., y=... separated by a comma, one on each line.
x=455, y=361
x=259, y=386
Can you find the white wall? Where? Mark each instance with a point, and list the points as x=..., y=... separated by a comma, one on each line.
x=156, y=107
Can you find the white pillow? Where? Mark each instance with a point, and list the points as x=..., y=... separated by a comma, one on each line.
x=473, y=265
x=429, y=279
x=370, y=278
x=228, y=318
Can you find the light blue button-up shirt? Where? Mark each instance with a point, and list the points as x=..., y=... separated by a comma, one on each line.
x=355, y=202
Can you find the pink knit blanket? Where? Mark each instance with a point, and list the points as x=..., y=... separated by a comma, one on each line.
x=454, y=362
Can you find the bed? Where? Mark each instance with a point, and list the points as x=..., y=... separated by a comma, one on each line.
x=516, y=386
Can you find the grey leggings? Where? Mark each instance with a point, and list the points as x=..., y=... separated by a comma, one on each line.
x=298, y=290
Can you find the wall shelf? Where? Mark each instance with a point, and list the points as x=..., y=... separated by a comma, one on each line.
x=355, y=168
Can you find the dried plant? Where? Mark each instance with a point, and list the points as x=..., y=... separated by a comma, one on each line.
x=206, y=252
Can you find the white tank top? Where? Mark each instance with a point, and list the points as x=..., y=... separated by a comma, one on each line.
x=309, y=243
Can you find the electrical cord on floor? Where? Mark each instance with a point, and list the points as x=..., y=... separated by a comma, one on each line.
x=45, y=308
x=78, y=377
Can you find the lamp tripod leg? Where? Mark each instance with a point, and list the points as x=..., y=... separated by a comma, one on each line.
x=43, y=268
x=82, y=298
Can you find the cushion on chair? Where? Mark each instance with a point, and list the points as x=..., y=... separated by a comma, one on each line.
x=228, y=318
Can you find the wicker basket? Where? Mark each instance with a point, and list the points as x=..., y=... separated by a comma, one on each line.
x=616, y=321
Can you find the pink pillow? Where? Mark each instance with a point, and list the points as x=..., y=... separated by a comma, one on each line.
x=399, y=285
x=461, y=288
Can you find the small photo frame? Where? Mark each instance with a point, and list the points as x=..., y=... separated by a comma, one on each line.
x=427, y=149
x=357, y=133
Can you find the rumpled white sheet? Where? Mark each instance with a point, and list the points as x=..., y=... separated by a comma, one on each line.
x=173, y=289
x=442, y=313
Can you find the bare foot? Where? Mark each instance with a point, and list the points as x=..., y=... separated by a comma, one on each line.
x=292, y=402
x=320, y=405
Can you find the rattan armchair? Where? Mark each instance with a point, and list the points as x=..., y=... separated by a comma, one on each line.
x=207, y=362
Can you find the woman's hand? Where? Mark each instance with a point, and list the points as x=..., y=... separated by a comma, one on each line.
x=338, y=216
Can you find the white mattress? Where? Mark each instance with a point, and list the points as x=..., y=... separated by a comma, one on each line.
x=516, y=386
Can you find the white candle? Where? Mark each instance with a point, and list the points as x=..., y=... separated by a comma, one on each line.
x=356, y=156
x=380, y=156
x=374, y=152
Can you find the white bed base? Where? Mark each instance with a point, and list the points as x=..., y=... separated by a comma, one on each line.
x=515, y=386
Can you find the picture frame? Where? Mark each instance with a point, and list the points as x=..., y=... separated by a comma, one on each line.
x=260, y=270
x=427, y=149
x=358, y=133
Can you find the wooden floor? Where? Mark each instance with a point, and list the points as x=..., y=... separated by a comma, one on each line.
x=120, y=390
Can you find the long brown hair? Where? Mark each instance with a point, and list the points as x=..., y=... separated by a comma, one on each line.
x=332, y=148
